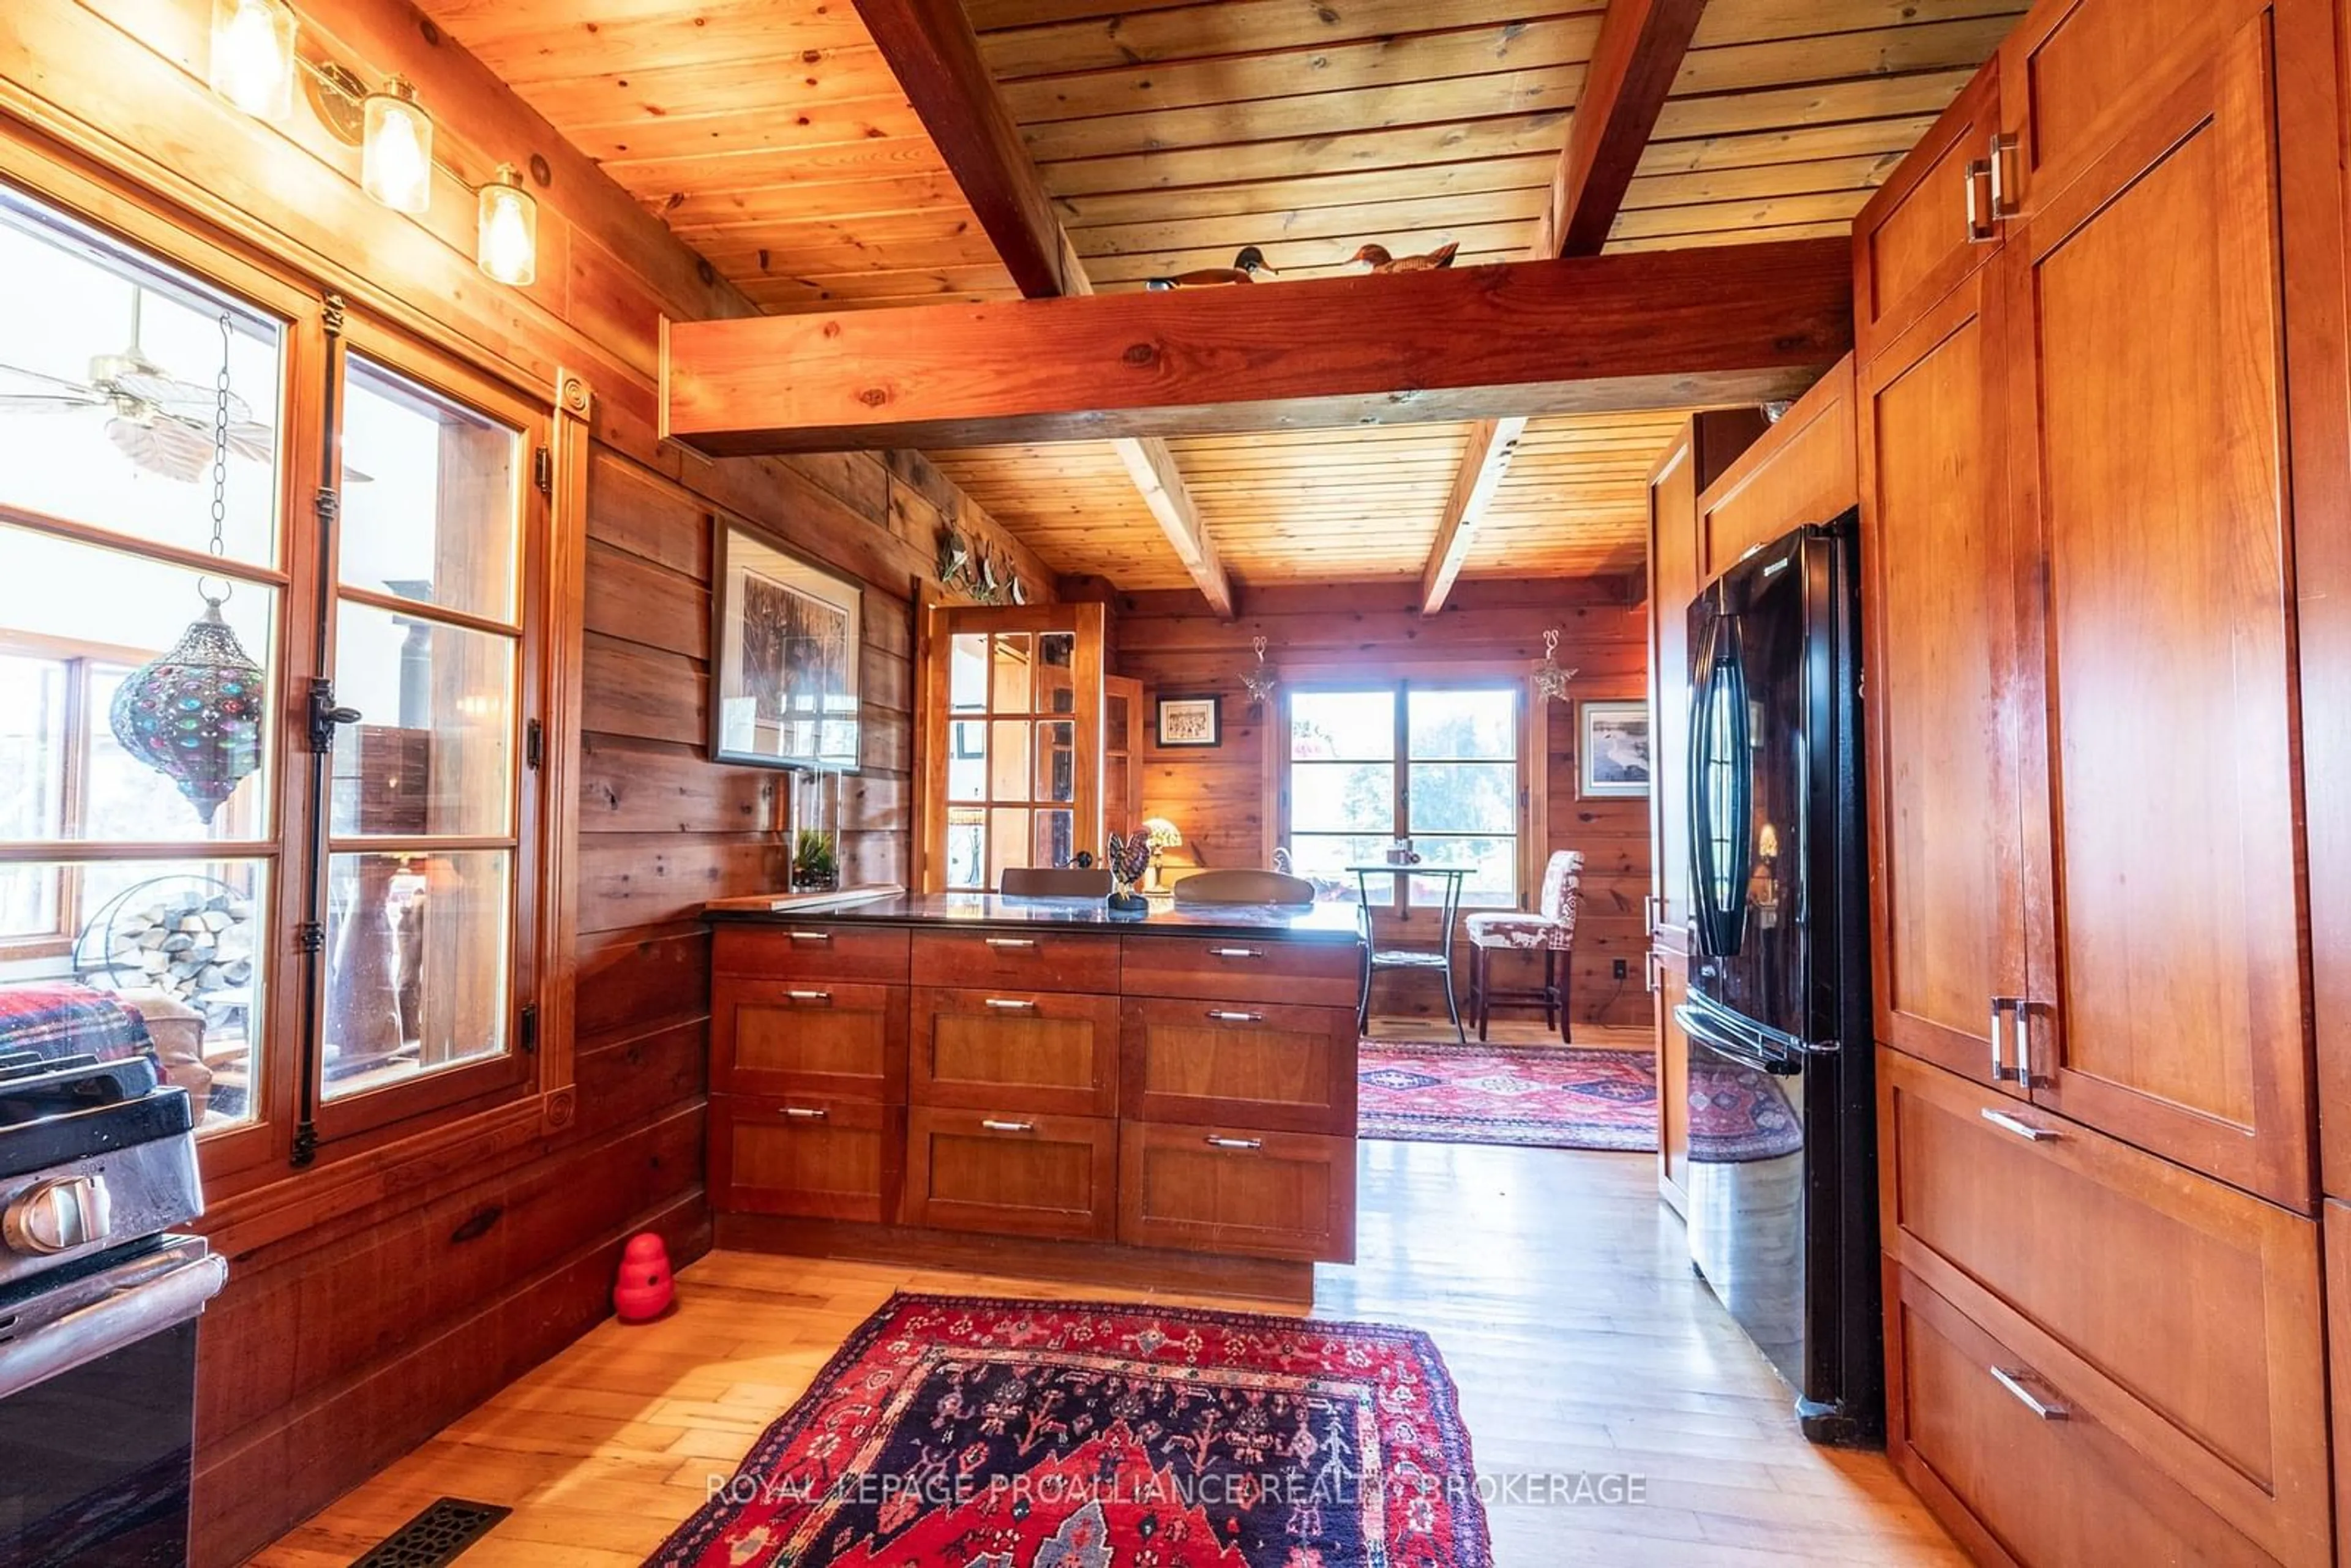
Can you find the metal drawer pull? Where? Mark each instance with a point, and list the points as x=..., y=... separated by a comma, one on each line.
x=809, y=996
x=1001, y=942
x=805, y=1112
x=1011, y=1004
x=809, y=936
x=1236, y=952
x=1214, y=1142
x=1221, y=1016
x=2012, y=1381
x=2025, y=1130
x=993, y=1125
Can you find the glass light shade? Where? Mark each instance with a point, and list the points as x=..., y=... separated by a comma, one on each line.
x=253, y=56
x=396, y=149
x=193, y=715
x=506, y=247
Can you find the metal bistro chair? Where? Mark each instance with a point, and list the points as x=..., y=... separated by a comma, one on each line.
x=1437, y=961
x=1550, y=931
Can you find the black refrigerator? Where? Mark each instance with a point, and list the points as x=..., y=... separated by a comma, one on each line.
x=1783, y=1165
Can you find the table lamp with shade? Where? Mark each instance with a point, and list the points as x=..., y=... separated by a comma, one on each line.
x=1161, y=835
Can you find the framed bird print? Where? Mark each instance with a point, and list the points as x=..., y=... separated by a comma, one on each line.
x=1613, y=751
x=787, y=634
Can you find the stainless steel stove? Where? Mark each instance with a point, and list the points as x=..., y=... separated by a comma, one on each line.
x=99, y=1295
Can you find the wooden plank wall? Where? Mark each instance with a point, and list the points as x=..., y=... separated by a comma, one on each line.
x=352, y=1330
x=1169, y=641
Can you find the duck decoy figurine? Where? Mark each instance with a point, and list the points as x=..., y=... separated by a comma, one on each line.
x=1376, y=257
x=1247, y=268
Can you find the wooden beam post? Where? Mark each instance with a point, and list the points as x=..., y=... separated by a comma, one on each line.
x=1726, y=324
x=1633, y=63
x=935, y=54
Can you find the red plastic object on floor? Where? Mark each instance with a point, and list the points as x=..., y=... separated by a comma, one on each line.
x=644, y=1290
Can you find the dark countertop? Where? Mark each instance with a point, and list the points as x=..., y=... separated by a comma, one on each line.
x=985, y=911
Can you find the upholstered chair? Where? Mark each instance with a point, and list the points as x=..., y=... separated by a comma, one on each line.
x=1549, y=930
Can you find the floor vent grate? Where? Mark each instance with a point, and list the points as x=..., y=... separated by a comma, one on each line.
x=436, y=1536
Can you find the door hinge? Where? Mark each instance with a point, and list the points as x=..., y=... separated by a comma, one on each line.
x=542, y=470
x=326, y=504
x=527, y=1029
x=534, y=745
x=310, y=936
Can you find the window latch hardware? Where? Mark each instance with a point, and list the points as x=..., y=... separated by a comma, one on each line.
x=527, y=1029
x=542, y=470
x=534, y=745
x=324, y=716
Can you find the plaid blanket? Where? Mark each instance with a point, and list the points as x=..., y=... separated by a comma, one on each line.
x=58, y=1017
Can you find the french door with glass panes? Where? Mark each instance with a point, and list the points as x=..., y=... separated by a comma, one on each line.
x=1013, y=741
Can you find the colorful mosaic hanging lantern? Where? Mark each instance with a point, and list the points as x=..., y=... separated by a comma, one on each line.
x=193, y=715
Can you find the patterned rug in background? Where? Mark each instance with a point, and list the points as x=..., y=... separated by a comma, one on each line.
x=958, y=1433
x=1555, y=1097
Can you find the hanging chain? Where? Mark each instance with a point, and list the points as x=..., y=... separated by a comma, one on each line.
x=220, y=444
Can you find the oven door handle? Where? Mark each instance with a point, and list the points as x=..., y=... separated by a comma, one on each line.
x=110, y=1323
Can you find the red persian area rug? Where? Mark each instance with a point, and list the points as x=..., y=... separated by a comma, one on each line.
x=956, y=1433
x=1563, y=1097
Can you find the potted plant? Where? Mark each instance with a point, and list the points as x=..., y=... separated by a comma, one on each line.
x=1128, y=859
x=816, y=866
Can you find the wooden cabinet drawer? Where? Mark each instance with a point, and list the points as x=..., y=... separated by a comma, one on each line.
x=1035, y=961
x=1027, y=1050
x=808, y=1036
x=1911, y=244
x=1313, y=974
x=1253, y=1063
x=2018, y=1467
x=1232, y=1189
x=812, y=1156
x=1013, y=1173
x=811, y=951
x=2177, y=1313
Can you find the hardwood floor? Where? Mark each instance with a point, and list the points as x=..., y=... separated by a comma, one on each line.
x=1557, y=1286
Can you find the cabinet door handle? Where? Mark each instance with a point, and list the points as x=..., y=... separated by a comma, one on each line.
x=1012, y=1004
x=1221, y=1016
x=2022, y=1129
x=1214, y=1142
x=1236, y=952
x=805, y=1112
x=993, y=1125
x=807, y=996
x=809, y=936
x=2020, y=1031
x=1649, y=971
x=2014, y=1383
x=1996, y=166
x=2001, y=1008
x=1653, y=910
x=1001, y=942
x=1979, y=227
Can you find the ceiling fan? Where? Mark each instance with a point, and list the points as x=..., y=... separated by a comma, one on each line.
x=161, y=423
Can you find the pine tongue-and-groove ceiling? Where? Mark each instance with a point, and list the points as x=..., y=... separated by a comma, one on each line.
x=771, y=136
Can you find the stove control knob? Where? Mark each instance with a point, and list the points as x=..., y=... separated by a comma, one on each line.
x=58, y=1216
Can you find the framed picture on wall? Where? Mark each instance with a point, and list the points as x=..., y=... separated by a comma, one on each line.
x=1191, y=721
x=786, y=635
x=1611, y=749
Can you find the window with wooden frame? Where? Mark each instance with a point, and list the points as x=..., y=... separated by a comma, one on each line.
x=189, y=440
x=1441, y=761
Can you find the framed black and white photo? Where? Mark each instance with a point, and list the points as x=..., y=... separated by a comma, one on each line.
x=786, y=635
x=1612, y=749
x=1191, y=721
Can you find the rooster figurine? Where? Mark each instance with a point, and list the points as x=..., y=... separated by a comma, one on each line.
x=1376, y=258
x=1247, y=268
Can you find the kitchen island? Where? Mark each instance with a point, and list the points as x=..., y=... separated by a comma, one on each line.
x=1041, y=1085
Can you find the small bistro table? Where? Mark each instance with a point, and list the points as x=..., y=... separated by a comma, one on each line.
x=1376, y=957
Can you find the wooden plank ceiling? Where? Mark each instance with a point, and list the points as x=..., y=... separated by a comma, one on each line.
x=772, y=137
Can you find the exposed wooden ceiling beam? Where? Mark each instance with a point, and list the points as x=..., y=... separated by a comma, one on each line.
x=1633, y=63
x=1717, y=325
x=1483, y=463
x=935, y=54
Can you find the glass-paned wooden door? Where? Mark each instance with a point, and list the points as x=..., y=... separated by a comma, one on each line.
x=1013, y=733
